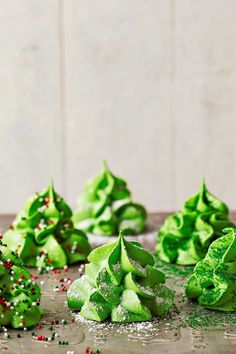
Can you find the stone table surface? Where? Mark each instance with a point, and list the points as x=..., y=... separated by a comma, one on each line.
x=186, y=329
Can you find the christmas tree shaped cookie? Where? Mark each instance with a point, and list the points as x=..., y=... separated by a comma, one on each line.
x=19, y=295
x=120, y=283
x=43, y=233
x=106, y=206
x=213, y=282
x=186, y=235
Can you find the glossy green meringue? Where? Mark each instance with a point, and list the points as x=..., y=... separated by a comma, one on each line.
x=186, y=235
x=19, y=295
x=213, y=282
x=120, y=283
x=43, y=233
x=106, y=207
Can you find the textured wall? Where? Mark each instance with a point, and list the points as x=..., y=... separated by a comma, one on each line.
x=150, y=85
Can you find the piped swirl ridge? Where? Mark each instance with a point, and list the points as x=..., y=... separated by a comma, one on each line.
x=19, y=295
x=106, y=207
x=120, y=283
x=186, y=235
x=213, y=282
x=43, y=233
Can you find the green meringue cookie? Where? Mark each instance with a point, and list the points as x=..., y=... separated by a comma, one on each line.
x=120, y=283
x=213, y=282
x=43, y=233
x=19, y=295
x=186, y=235
x=106, y=207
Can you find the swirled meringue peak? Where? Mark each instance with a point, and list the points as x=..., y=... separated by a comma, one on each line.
x=19, y=295
x=186, y=235
x=213, y=282
x=120, y=283
x=106, y=207
x=43, y=233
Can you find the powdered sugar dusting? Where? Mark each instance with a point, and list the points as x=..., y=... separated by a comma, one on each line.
x=149, y=332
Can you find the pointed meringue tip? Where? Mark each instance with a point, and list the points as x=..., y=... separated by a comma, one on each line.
x=121, y=235
x=204, y=181
x=51, y=188
x=105, y=165
x=51, y=182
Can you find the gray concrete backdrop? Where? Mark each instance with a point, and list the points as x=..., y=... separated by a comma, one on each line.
x=149, y=85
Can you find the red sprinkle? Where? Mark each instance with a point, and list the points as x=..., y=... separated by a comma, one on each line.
x=8, y=265
x=40, y=326
x=41, y=338
x=2, y=301
x=46, y=201
x=56, y=271
x=63, y=288
x=89, y=351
